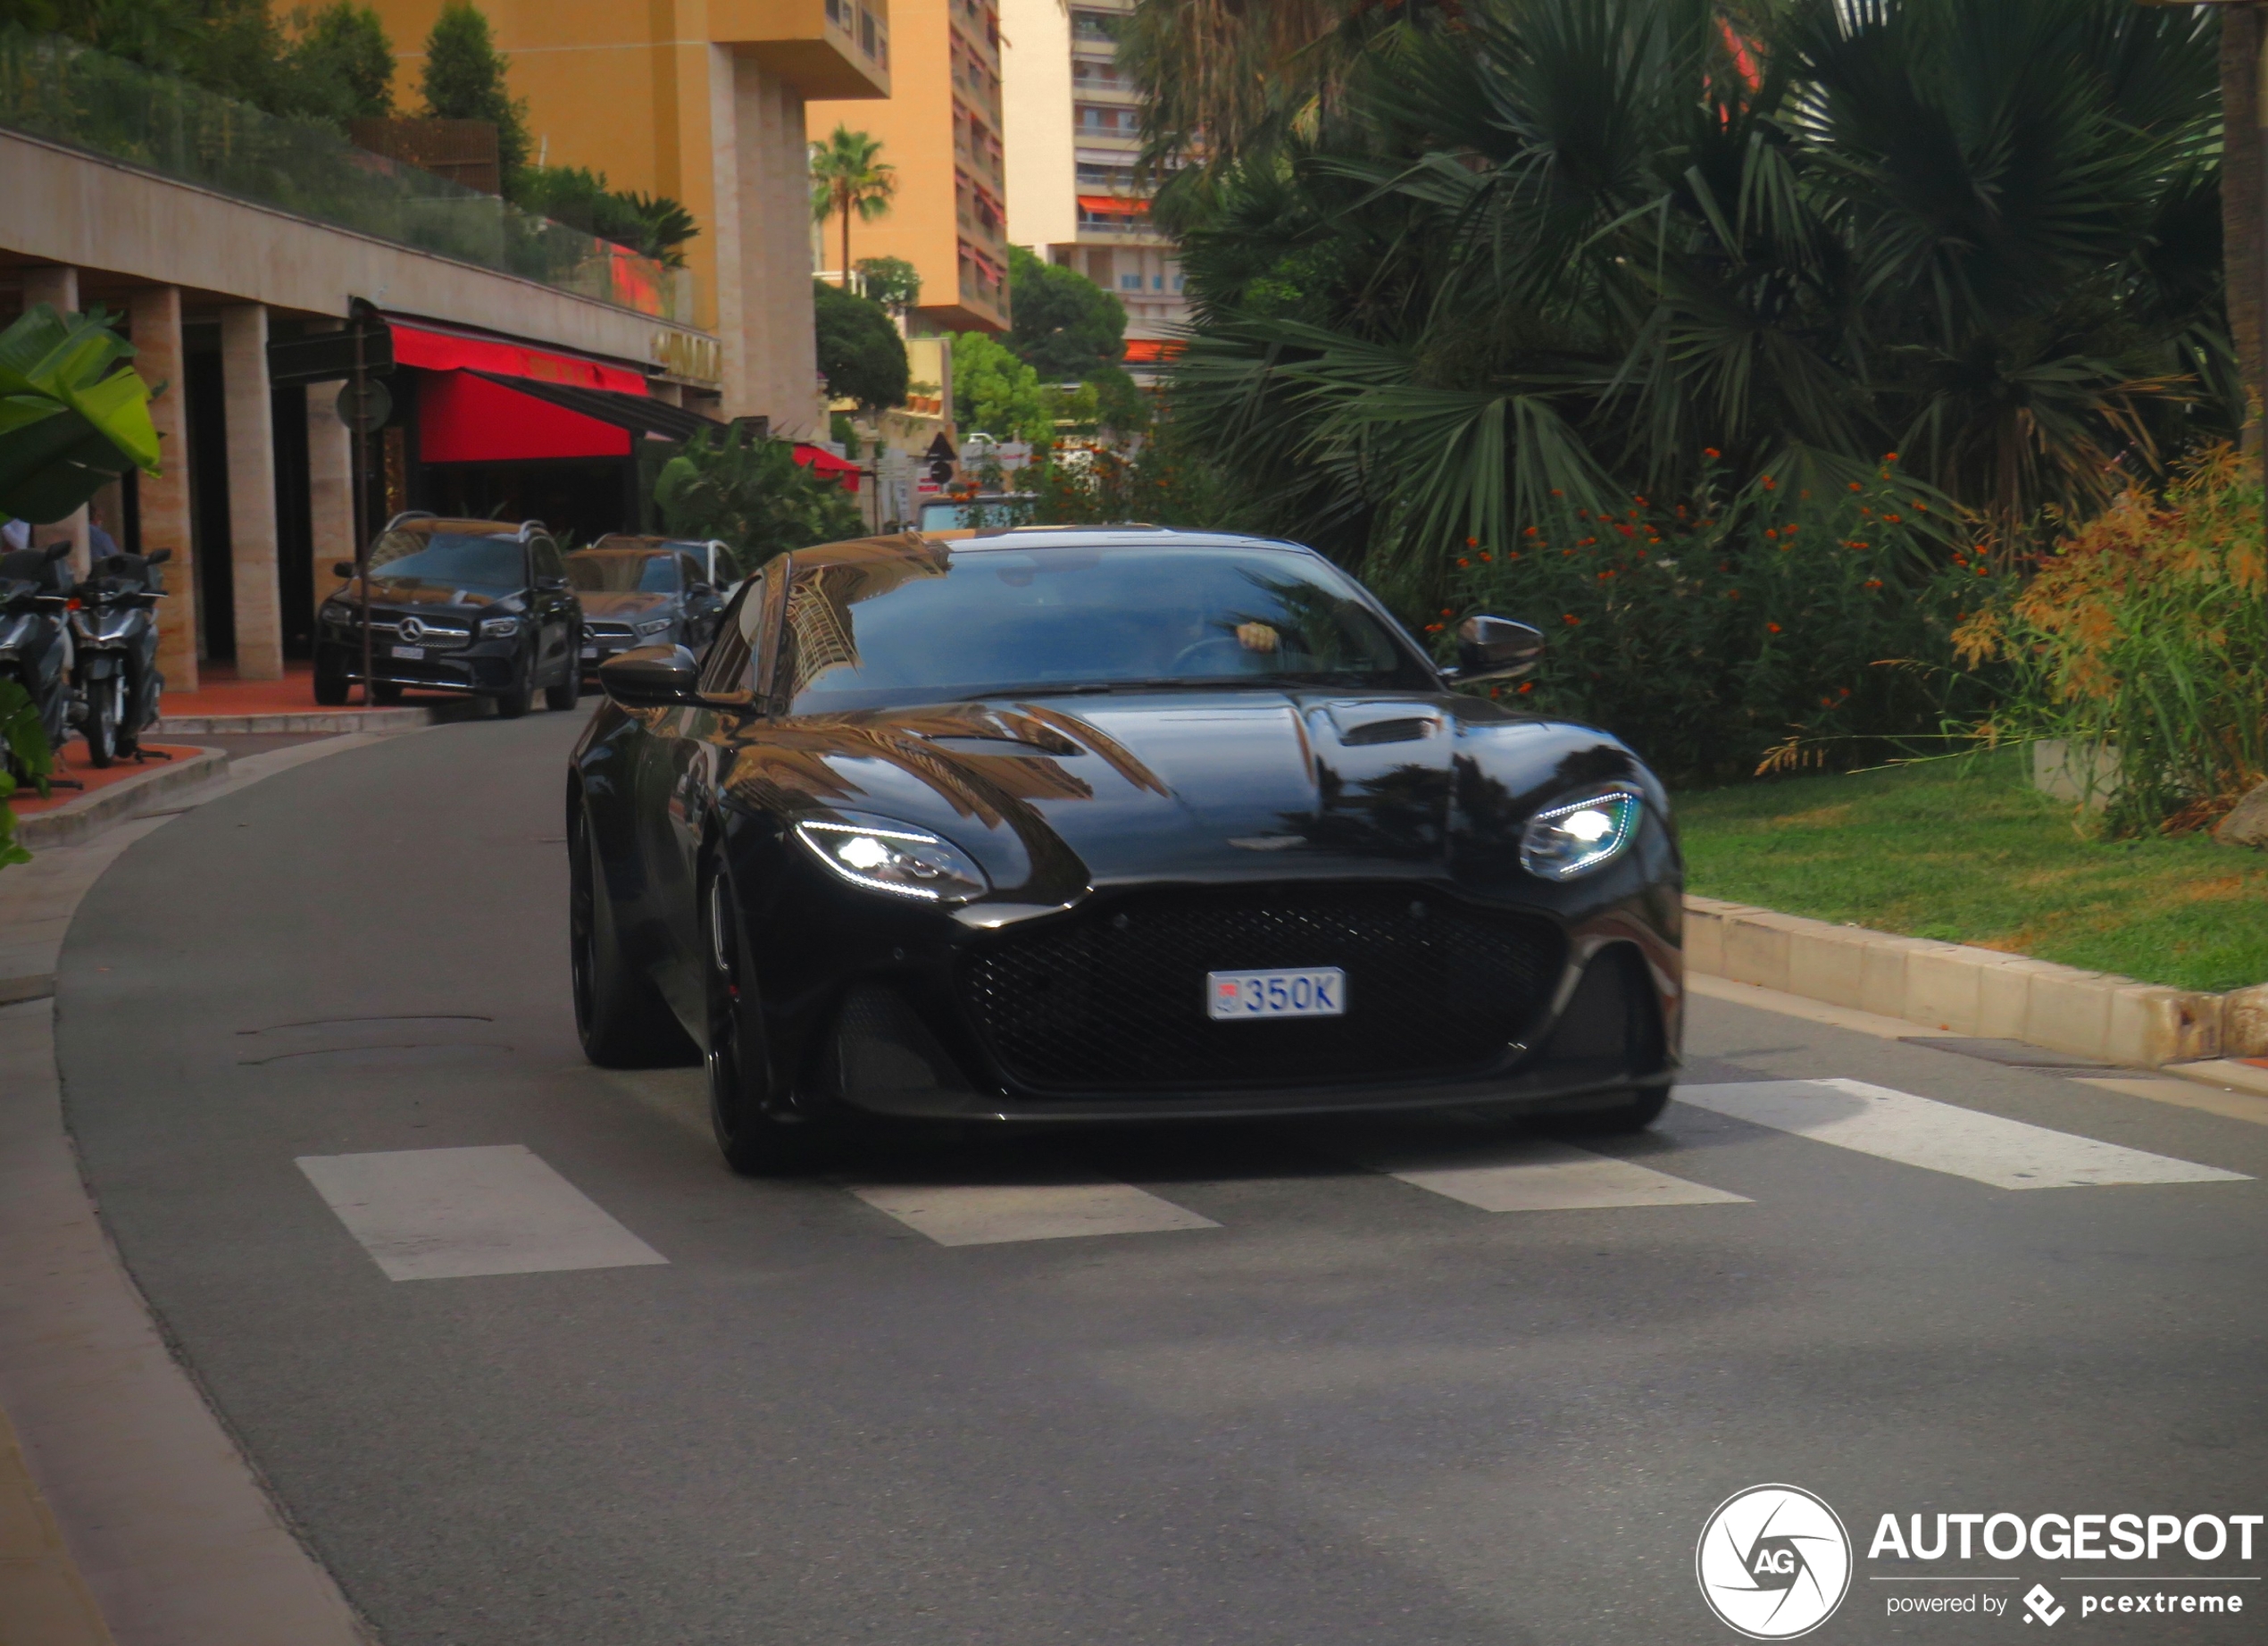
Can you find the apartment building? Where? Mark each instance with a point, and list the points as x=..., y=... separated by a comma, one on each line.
x=710, y=106
x=943, y=131
x=1073, y=138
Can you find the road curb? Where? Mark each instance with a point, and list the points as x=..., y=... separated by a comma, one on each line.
x=70, y=824
x=1975, y=992
x=132, y=1495
x=318, y=720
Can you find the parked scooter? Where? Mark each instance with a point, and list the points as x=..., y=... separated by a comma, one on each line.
x=34, y=633
x=115, y=631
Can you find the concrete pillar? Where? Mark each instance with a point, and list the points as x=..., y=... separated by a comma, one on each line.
x=154, y=314
x=52, y=282
x=330, y=483
x=252, y=491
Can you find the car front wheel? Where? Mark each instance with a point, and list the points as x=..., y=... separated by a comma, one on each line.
x=754, y=1141
x=520, y=697
x=570, y=688
x=620, y=1016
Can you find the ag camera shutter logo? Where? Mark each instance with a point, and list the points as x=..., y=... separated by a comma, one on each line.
x=1773, y=1562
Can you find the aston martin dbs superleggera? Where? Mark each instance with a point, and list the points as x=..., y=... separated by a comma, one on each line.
x=1055, y=826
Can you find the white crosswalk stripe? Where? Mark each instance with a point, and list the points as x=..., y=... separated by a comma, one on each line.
x=444, y=1213
x=1942, y=1137
x=1047, y=1205
x=1538, y=1176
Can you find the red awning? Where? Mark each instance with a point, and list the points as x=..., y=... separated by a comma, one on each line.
x=1151, y=351
x=437, y=348
x=820, y=461
x=465, y=417
x=1113, y=206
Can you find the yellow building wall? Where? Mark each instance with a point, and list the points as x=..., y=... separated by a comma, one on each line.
x=916, y=127
x=703, y=101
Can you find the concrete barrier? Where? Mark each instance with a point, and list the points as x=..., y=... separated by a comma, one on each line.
x=1959, y=989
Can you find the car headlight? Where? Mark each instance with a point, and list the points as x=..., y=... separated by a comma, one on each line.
x=343, y=616
x=1575, y=837
x=887, y=856
x=655, y=626
x=499, y=628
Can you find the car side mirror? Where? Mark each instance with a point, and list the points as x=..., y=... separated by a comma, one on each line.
x=652, y=677
x=701, y=591
x=157, y=556
x=551, y=582
x=342, y=568
x=58, y=550
x=1496, y=648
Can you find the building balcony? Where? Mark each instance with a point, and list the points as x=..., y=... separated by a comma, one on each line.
x=824, y=48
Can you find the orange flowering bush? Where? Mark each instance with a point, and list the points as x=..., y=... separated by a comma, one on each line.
x=2146, y=631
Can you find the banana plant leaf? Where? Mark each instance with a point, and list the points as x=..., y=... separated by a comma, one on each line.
x=74, y=416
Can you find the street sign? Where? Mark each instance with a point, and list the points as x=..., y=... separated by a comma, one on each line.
x=329, y=356
x=364, y=410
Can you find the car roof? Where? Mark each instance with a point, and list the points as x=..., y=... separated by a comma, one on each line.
x=436, y=525
x=923, y=544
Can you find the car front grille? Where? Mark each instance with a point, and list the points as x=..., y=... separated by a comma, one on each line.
x=433, y=636
x=608, y=634
x=1113, y=999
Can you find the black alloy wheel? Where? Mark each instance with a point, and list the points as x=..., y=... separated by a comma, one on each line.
x=516, y=701
x=570, y=688
x=620, y=1016
x=754, y=1140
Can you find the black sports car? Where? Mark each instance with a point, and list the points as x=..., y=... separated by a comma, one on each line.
x=1056, y=825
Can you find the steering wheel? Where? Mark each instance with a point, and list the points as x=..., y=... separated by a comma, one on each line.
x=1232, y=649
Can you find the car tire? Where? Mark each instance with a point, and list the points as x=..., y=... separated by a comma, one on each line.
x=330, y=687
x=751, y=1136
x=1639, y=1109
x=570, y=688
x=512, y=704
x=620, y=1016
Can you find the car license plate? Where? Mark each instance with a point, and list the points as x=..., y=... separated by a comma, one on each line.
x=589, y=652
x=413, y=653
x=1318, y=993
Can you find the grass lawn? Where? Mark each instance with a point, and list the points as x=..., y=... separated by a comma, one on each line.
x=1965, y=852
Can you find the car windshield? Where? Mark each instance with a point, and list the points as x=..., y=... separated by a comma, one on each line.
x=445, y=560
x=623, y=572
x=973, y=622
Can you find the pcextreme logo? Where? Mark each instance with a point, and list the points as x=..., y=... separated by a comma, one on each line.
x=1773, y=1562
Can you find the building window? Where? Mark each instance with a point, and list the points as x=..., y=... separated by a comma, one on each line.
x=1130, y=282
x=1092, y=26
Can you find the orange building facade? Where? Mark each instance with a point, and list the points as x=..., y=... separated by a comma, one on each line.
x=942, y=129
x=709, y=102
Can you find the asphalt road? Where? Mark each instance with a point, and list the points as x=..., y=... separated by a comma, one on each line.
x=1334, y=1406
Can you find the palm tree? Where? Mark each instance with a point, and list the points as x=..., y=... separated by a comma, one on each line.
x=1539, y=249
x=847, y=175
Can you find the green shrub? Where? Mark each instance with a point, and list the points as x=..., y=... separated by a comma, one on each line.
x=24, y=757
x=2146, y=631
x=1794, y=624
x=751, y=493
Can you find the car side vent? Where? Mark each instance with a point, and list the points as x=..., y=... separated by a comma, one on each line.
x=1612, y=1021
x=882, y=1046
